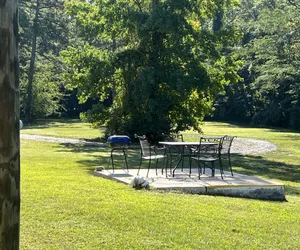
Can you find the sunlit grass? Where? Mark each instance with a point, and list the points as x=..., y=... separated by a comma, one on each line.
x=64, y=128
x=65, y=207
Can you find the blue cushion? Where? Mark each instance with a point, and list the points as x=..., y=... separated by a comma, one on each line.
x=118, y=139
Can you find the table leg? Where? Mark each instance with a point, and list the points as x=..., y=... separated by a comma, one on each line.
x=180, y=150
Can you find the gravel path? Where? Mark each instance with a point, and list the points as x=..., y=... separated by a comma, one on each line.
x=241, y=146
x=246, y=146
x=61, y=140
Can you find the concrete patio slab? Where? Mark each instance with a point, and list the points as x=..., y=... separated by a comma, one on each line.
x=238, y=185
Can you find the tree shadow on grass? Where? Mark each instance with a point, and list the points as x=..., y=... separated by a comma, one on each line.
x=105, y=161
x=47, y=123
x=292, y=138
x=252, y=165
x=81, y=148
x=259, y=166
x=100, y=156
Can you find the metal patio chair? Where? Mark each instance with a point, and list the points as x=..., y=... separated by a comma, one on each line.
x=206, y=155
x=224, y=153
x=215, y=150
x=150, y=153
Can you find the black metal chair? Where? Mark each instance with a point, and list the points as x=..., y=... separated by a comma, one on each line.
x=150, y=153
x=215, y=150
x=206, y=154
x=224, y=153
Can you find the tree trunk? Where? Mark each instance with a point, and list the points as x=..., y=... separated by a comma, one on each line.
x=28, y=106
x=9, y=127
x=218, y=20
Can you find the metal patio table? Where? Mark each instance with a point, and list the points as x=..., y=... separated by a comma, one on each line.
x=179, y=147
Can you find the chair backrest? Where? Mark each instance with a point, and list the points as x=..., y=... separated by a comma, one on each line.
x=210, y=150
x=226, y=144
x=145, y=145
x=212, y=138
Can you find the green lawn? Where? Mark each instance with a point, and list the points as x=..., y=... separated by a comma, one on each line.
x=64, y=128
x=63, y=206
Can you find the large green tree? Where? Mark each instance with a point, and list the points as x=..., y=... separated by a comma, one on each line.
x=9, y=127
x=162, y=62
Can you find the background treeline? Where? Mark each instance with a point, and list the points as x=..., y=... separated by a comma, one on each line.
x=268, y=93
x=125, y=63
x=45, y=30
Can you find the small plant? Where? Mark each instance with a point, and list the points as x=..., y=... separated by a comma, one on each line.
x=139, y=182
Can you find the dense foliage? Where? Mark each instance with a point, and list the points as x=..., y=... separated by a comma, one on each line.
x=270, y=91
x=161, y=65
x=43, y=33
x=163, y=62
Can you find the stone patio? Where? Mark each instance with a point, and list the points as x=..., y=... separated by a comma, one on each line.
x=235, y=186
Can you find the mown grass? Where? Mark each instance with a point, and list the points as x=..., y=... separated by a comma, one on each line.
x=282, y=165
x=64, y=128
x=64, y=206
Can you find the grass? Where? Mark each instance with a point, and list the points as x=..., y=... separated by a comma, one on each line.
x=64, y=207
x=64, y=128
x=281, y=165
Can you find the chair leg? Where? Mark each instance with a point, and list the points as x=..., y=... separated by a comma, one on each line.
x=199, y=169
x=156, y=166
x=166, y=167
x=190, y=162
x=171, y=164
x=149, y=167
x=230, y=164
x=140, y=166
x=221, y=167
x=213, y=169
x=112, y=161
x=163, y=165
x=125, y=156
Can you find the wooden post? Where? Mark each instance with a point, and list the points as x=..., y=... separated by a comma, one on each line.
x=9, y=127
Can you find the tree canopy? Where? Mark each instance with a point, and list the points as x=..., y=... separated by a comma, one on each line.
x=269, y=48
x=162, y=62
x=161, y=65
